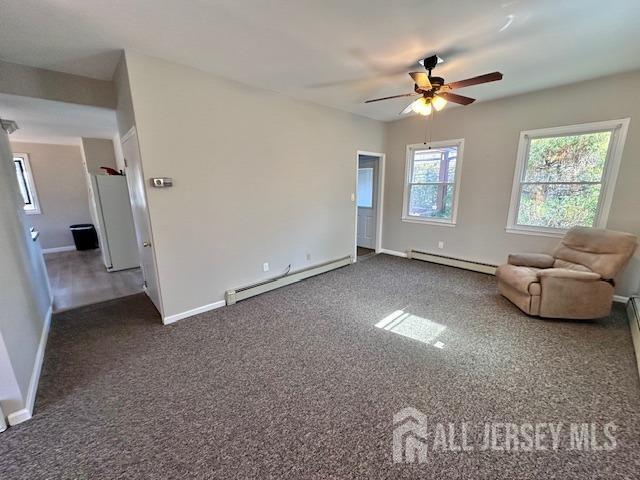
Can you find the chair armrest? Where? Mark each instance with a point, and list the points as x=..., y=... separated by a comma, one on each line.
x=569, y=274
x=536, y=260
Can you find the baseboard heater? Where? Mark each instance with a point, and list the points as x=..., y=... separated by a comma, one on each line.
x=633, y=312
x=453, y=262
x=242, y=293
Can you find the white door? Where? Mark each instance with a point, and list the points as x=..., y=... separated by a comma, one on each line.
x=367, y=204
x=135, y=179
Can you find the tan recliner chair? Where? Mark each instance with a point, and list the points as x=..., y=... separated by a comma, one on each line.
x=575, y=281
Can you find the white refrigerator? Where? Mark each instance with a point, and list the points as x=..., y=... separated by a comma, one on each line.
x=115, y=222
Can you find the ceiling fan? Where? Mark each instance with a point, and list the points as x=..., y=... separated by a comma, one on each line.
x=434, y=93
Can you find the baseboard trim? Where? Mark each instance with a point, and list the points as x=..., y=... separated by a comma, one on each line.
x=453, y=262
x=620, y=299
x=395, y=253
x=194, y=311
x=68, y=248
x=26, y=413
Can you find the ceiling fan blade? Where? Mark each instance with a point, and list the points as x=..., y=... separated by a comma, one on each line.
x=486, y=78
x=407, y=109
x=455, y=98
x=421, y=79
x=393, y=96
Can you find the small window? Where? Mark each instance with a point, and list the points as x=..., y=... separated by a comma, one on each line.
x=565, y=177
x=365, y=187
x=26, y=184
x=431, y=185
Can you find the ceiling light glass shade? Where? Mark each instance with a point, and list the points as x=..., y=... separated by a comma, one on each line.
x=438, y=103
x=422, y=106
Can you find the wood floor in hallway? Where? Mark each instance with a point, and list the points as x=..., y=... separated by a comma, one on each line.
x=80, y=278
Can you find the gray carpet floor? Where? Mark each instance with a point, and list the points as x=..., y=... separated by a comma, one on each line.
x=299, y=383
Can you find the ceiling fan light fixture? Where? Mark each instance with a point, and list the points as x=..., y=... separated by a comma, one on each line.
x=421, y=106
x=438, y=103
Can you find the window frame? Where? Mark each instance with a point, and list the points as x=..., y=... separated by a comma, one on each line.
x=31, y=184
x=411, y=148
x=618, y=129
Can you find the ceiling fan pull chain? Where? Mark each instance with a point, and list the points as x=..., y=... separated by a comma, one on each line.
x=429, y=128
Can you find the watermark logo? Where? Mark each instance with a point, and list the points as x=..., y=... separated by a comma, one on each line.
x=414, y=438
x=410, y=436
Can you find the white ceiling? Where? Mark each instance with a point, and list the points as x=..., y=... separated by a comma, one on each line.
x=334, y=52
x=46, y=121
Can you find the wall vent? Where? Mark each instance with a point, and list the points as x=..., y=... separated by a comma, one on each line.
x=453, y=262
x=242, y=293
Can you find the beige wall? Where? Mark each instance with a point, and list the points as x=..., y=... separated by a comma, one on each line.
x=258, y=178
x=62, y=190
x=124, y=106
x=491, y=132
x=99, y=152
x=24, y=291
x=49, y=85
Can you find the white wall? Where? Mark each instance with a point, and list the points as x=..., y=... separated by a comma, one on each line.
x=24, y=291
x=491, y=132
x=60, y=179
x=258, y=178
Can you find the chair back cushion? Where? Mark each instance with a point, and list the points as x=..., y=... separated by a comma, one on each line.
x=602, y=251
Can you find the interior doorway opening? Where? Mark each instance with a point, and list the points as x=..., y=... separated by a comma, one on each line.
x=369, y=203
x=72, y=188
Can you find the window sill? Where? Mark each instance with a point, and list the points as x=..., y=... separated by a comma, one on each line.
x=441, y=223
x=535, y=232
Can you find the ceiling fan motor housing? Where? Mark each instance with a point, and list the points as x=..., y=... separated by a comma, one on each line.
x=431, y=62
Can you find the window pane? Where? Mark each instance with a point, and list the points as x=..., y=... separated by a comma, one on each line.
x=572, y=158
x=22, y=181
x=431, y=201
x=365, y=187
x=558, y=206
x=434, y=165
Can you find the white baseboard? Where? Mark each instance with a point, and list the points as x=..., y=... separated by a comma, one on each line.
x=620, y=299
x=26, y=413
x=192, y=312
x=395, y=253
x=67, y=248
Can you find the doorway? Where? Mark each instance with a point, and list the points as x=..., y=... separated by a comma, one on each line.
x=74, y=198
x=369, y=201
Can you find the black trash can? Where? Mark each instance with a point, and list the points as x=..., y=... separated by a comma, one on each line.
x=84, y=236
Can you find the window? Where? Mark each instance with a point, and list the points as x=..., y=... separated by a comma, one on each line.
x=25, y=183
x=431, y=185
x=565, y=177
x=365, y=187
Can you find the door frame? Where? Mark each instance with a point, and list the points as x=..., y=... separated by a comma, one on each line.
x=133, y=132
x=379, y=201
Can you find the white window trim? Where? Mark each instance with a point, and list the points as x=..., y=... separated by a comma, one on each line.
x=444, y=222
x=28, y=173
x=619, y=130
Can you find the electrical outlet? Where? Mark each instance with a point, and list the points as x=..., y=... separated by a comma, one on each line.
x=308, y=256
x=440, y=244
x=265, y=267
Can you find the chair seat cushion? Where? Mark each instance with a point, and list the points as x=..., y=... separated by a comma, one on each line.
x=523, y=279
